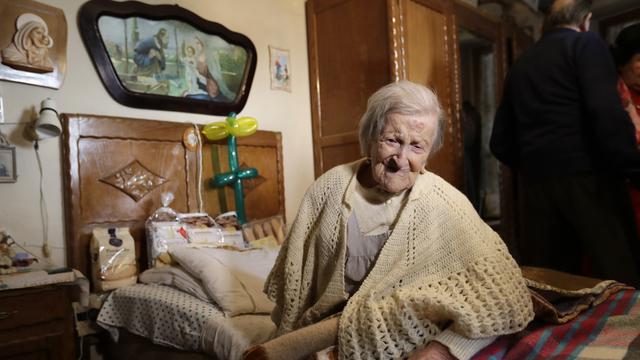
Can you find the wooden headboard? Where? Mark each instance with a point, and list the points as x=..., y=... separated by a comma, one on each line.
x=115, y=169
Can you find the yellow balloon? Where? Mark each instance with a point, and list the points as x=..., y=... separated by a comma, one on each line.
x=216, y=131
x=245, y=126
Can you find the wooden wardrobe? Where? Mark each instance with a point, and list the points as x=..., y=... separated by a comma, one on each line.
x=357, y=46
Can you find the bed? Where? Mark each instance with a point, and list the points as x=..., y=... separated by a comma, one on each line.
x=150, y=157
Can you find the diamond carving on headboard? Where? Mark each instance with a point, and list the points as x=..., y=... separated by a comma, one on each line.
x=134, y=180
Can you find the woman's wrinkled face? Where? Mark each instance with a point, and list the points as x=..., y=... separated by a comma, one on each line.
x=402, y=150
x=630, y=73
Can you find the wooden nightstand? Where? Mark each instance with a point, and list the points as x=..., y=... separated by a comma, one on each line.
x=37, y=323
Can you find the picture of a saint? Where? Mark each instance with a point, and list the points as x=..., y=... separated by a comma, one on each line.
x=149, y=54
x=172, y=58
x=29, y=50
x=210, y=76
x=191, y=74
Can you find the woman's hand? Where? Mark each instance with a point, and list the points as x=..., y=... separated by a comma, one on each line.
x=433, y=351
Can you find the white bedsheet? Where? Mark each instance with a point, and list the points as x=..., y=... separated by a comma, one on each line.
x=170, y=317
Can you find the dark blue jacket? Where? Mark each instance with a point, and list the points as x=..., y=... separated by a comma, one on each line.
x=561, y=113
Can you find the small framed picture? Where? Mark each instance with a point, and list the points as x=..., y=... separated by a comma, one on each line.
x=280, y=67
x=8, y=164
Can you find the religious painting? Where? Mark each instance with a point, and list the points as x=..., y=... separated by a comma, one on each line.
x=165, y=57
x=280, y=69
x=33, y=43
x=8, y=164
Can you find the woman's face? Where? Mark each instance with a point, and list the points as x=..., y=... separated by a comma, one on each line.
x=630, y=73
x=402, y=150
x=39, y=37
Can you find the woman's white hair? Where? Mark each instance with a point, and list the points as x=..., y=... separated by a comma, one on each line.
x=402, y=97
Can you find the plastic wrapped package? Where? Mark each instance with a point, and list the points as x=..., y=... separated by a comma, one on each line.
x=167, y=229
x=163, y=230
x=232, y=234
x=113, y=258
x=202, y=229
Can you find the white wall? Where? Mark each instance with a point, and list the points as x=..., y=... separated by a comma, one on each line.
x=280, y=23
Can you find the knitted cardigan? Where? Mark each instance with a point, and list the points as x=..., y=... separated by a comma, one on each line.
x=442, y=267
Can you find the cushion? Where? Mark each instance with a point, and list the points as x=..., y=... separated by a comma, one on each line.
x=233, y=278
x=175, y=276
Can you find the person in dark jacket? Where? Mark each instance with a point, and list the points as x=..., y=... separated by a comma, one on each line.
x=562, y=127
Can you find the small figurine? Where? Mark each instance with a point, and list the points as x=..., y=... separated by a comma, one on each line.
x=6, y=258
x=9, y=259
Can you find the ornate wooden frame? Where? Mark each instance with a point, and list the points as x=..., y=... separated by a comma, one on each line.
x=91, y=12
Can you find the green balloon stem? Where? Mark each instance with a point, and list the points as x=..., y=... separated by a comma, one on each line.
x=235, y=175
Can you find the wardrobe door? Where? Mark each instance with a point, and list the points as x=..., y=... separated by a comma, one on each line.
x=427, y=58
x=348, y=61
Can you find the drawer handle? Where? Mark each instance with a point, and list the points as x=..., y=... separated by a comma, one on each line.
x=7, y=314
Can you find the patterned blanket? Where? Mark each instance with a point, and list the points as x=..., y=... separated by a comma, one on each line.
x=576, y=318
x=609, y=331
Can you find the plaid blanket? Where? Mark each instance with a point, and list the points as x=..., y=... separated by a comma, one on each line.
x=609, y=331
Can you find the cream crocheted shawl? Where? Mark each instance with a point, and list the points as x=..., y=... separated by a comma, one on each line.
x=442, y=267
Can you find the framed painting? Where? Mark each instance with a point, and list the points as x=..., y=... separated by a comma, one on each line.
x=33, y=43
x=280, y=69
x=8, y=164
x=166, y=57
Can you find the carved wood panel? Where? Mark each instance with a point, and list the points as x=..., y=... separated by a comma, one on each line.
x=96, y=148
x=429, y=38
x=348, y=61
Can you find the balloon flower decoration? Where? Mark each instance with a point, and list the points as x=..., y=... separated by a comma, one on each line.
x=230, y=129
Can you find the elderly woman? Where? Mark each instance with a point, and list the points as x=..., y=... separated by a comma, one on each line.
x=400, y=252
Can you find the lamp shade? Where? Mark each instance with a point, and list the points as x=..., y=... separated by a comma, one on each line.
x=48, y=124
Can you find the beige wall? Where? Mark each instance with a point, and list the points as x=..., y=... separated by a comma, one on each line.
x=280, y=23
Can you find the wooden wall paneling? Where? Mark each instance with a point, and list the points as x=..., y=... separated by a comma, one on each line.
x=397, y=35
x=428, y=52
x=314, y=84
x=260, y=154
x=339, y=154
x=348, y=61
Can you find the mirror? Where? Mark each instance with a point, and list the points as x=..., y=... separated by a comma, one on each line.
x=478, y=107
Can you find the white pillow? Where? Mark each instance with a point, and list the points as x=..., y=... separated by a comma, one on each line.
x=175, y=276
x=233, y=278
